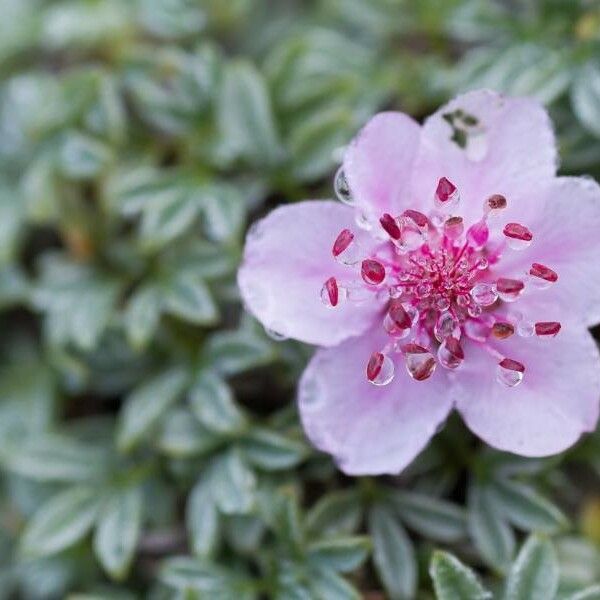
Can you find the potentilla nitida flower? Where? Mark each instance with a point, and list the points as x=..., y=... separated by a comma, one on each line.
x=456, y=272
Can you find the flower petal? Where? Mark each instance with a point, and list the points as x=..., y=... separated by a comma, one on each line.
x=509, y=150
x=556, y=402
x=287, y=259
x=379, y=161
x=369, y=429
x=565, y=229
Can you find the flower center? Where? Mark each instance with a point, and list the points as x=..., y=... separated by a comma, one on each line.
x=440, y=284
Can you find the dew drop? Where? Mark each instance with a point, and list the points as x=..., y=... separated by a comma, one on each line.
x=420, y=363
x=510, y=372
x=517, y=236
x=478, y=234
x=357, y=293
x=380, y=369
x=477, y=330
x=450, y=353
x=453, y=228
x=525, y=328
x=509, y=290
x=445, y=326
x=397, y=321
x=331, y=293
x=372, y=271
x=446, y=194
x=474, y=310
x=541, y=277
x=342, y=189
x=274, y=334
x=484, y=294
x=363, y=221
x=494, y=205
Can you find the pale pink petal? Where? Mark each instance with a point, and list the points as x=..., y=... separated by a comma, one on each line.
x=379, y=161
x=565, y=227
x=369, y=429
x=555, y=403
x=514, y=153
x=287, y=259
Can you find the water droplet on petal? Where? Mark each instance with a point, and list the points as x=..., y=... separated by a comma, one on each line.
x=380, y=369
x=372, y=271
x=342, y=189
x=397, y=321
x=331, y=293
x=363, y=221
x=510, y=372
x=541, y=277
x=518, y=236
x=509, y=289
x=477, y=330
x=357, y=293
x=420, y=363
x=412, y=235
x=525, y=328
x=474, y=310
x=547, y=329
x=274, y=334
x=494, y=205
x=484, y=294
x=446, y=194
x=446, y=325
x=450, y=353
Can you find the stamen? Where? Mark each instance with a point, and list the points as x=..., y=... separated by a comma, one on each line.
x=330, y=293
x=518, y=236
x=484, y=294
x=418, y=217
x=450, y=353
x=541, y=276
x=420, y=363
x=380, y=369
x=453, y=228
x=391, y=227
x=343, y=240
x=494, y=204
x=501, y=331
x=510, y=372
x=446, y=194
x=478, y=234
x=372, y=271
x=509, y=289
x=547, y=329
x=342, y=189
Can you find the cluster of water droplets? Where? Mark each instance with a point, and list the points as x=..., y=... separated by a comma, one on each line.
x=438, y=280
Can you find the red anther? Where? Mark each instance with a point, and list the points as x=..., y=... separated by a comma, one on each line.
x=501, y=331
x=543, y=272
x=517, y=232
x=419, y=218
x=343, y=240
x=509, y=286
x=399, y=316
x=512, y=365
x=445, y=190
x=391, y=227
x=496, y=202
x=550, y=328
x=454, y=347
x=374, y=365
x=372, y=271
x=332, y=291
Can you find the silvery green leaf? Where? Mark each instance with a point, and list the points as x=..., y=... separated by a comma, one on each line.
x=187, y=296
x=232, y=483
x=142, y=315
x=591, y=593
x=336, y=513
x=61, y=521
x=585, y=96
x=224, y=209
x=202, y=519
x=452, y=580
x=328, y=585
x=579, y=561
x=212, y=402
x=534, y=574
x=339, y=554
x=146, y=405
x=181, y=436
x=272, y=451
x=393, y=554
x=82, y=156
x=118, y=530
x=493, y=537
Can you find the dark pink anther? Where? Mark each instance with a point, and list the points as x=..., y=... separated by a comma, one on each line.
x=445, y=190
x=399, y=316
x=343, y=240
x=372, y=271
x=512, y=365
x=543, y=272
x=547, y=328
x=332, y=291
x=501, y=331
x=374, y=365
x=509, y=286
x=391, y=227
x=453, y=346
x=419, y=218
x=517, y=232
x=496, y=202
x=454, y=227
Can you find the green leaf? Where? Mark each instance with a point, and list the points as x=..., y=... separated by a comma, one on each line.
x=591, y=593
x=142, y=316
x=202, y=519
x=430, y=516
x=493, y=537
x=328, y=585
x=525, y=508
x=213, y=404
x=245, y=118
x=534, y=574
x=271, y=451
x=61, y=522
x=393, y=554
x=454, y=581
x=187, y=296
x=82, y=156
x=118, y=531
x=585, y=97
x=146, y=405
x=232, y=483
x=224, y=210
x=341, y=554
x=181, y=435
x=53, y=457
x=336, y=513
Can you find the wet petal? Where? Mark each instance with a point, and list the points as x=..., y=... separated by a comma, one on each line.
x=287, y=259
x=369, y=429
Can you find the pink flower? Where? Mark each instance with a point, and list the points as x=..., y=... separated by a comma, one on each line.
x=456, y=272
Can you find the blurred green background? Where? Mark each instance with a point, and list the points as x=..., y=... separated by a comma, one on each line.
x=149, y=441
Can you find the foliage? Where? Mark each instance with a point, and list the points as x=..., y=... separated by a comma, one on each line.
x=149, y=443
